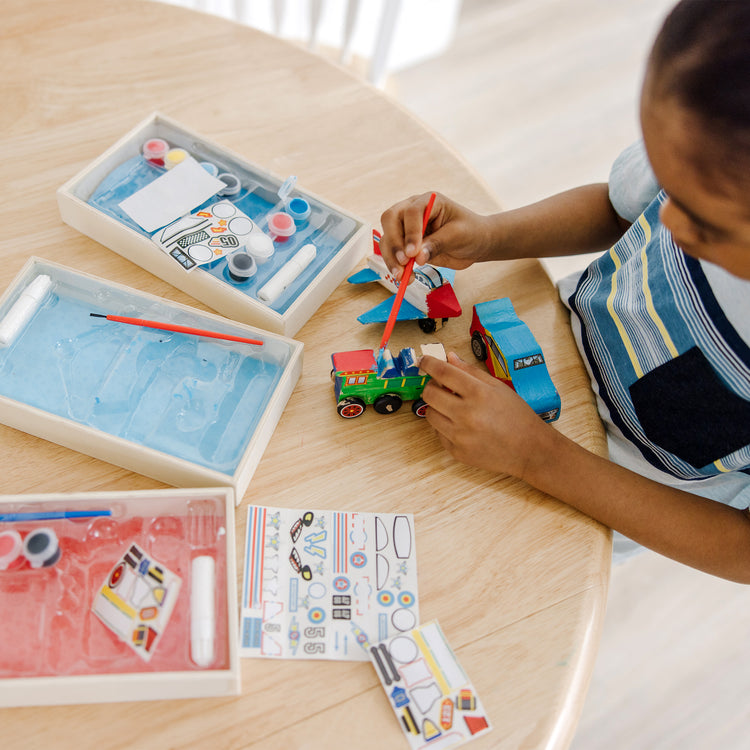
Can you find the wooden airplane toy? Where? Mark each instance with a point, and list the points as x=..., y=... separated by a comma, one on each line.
x=429, y=299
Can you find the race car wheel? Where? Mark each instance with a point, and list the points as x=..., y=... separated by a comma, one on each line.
x=478, y=347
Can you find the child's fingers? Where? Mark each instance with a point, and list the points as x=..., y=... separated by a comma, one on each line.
x=475, y=372
x=414, y=225
x=402, y=233
x=454, y=375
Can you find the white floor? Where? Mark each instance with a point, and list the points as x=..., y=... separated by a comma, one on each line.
x=540, y=95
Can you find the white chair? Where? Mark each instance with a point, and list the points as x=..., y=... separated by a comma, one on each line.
x=356, y=28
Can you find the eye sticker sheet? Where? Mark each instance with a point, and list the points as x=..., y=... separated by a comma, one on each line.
x=428, y=690
x=326, y=584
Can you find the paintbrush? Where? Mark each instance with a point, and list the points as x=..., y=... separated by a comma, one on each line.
x=176, y=328
x=404, y=282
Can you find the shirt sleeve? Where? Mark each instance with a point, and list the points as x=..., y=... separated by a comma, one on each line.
x=632, y=184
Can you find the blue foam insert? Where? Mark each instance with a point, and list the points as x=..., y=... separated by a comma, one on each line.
x=326, y=229
x=195, y=398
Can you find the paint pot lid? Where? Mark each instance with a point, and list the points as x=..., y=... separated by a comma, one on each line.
x=241, y=266
x=231, y=183
x=11, y=547
x=298, y=209
x=41, y=547
x=155, y=148
x=260, y=246
x=281, y=224
x=174, y=157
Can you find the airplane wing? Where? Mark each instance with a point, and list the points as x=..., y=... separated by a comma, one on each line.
x=380, y=313
x=364, y=276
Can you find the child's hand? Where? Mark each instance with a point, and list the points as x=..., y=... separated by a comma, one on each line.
x=479, y=419
x=455, y=236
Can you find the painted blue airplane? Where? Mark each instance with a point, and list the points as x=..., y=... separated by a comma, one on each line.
x=429, y=299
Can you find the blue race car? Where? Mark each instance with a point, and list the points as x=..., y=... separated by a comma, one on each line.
x=511, y=353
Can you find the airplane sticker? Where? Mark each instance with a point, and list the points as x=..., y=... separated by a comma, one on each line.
x=325, y=584
x=429, y=299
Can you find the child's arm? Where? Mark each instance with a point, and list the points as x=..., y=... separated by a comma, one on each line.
x=577, y=221
x=484, y=423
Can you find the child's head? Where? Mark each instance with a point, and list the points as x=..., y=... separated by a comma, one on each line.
x=695, y=113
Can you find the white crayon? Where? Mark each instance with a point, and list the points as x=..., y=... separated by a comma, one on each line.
x=24, y=308
x=287, y=274
x=202, y=610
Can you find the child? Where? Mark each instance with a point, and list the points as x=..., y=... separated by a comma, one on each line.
x=662, y=319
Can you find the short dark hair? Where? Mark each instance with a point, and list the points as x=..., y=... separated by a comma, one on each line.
x=701, y=58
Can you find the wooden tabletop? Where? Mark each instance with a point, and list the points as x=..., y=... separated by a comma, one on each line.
x=516, y=580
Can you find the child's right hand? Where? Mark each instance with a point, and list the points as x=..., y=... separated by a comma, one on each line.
x=455, y=238
x=481, y=421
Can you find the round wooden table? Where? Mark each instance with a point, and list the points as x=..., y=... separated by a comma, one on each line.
x=517, y=580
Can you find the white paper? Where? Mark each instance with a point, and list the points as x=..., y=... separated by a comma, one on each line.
x=174, y=194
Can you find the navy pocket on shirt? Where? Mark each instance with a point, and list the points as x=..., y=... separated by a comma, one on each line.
x=685, y=408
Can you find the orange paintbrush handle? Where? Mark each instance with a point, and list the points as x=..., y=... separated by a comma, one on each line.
x=391, y=322
x=176, y=328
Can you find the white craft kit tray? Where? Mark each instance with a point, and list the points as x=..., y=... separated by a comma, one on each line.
x=135, y=601
x=92, y=202
x=185, y=409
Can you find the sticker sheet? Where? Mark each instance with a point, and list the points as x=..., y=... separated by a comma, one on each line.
x=326, y=584
x=137, y=599
x=206, y=235
x=428, y=690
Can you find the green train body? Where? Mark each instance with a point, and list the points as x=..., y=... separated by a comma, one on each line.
x=359, y=379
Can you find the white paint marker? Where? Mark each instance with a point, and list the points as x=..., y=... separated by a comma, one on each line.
x=287, y=274
x=24, y=308
x=202, y=610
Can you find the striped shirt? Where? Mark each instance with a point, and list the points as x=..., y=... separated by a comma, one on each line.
x=665, y=340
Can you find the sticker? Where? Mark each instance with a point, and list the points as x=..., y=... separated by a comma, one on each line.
x=403, y=619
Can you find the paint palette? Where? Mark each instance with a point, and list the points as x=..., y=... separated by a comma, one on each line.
x=110, y=618
x=325, y=584
x=428, y=689
x=186, y=409
x=277, y=218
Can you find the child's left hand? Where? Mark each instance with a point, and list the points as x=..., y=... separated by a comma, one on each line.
x=479, y=419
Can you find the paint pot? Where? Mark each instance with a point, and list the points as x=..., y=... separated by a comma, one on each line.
x=154, y=151
x=174, y=157
x=260, y=246
x=231, y=182
x=299, y=210
x=241, y=266
x=41, y=548
x=211, y=168
x=281, y=226
x=11, y=548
